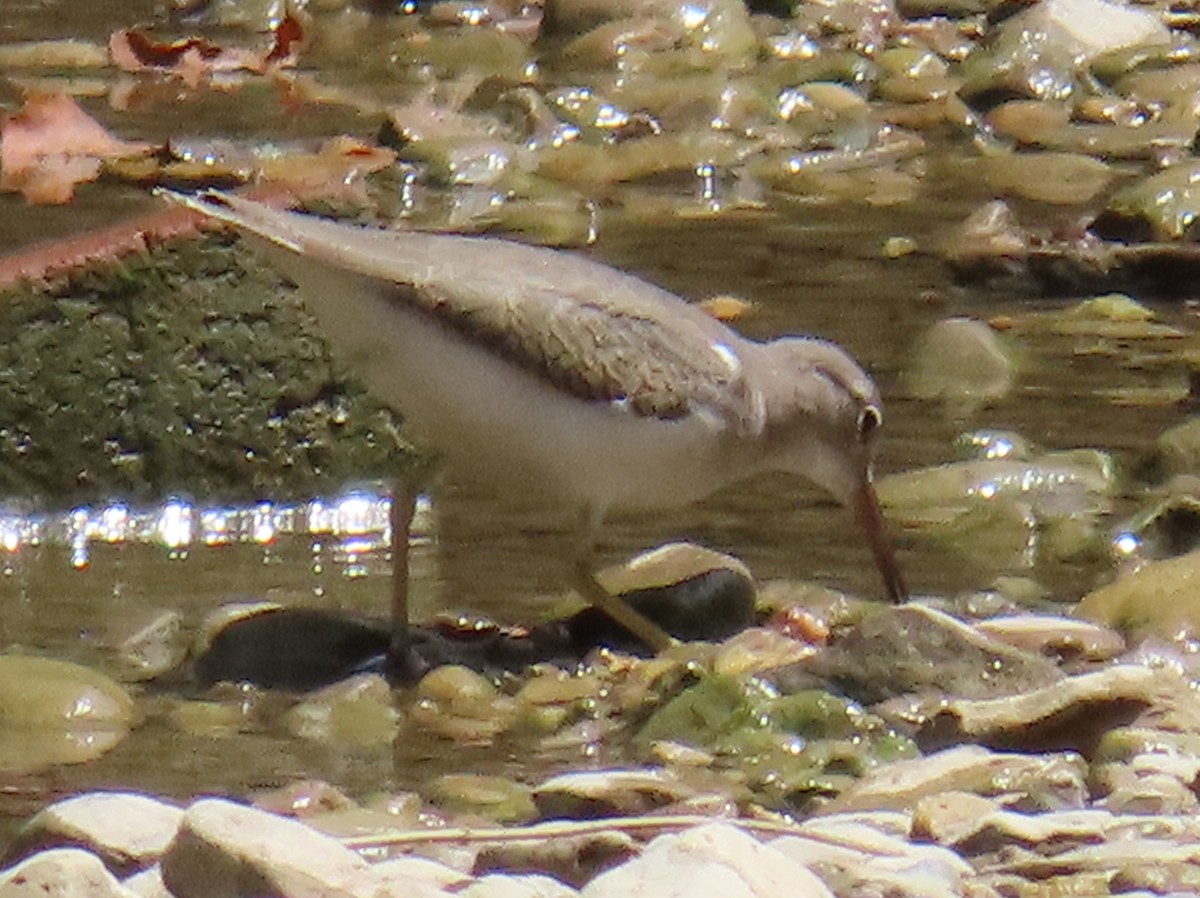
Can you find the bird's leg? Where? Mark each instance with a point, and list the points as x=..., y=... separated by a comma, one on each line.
x=403, y=506
x=650, y=633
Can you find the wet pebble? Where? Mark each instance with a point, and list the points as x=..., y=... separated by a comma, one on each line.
x=960, y=361
x=493, y=797
x=1050, y=780
x=608, y=793
x=56, y=712
x=357, y=711
x=1063, y=637
x=1177, y=449
x=147, y=643
x=1161, y=598
x=1163, y=206
x=1066, y=179
x=456, y=703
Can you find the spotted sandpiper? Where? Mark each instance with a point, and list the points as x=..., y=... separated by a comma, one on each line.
x=553, y=375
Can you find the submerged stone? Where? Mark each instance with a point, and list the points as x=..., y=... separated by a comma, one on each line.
x=55, y=712
x=1040, y=52
x=1111, y=316
x=358, y=711
x=608, y=793
x=962, y=362
x=1163, y=206
x=915, y=649
x=1177, y=449
x=1048, y=177
x=1167, y=528
x=495, y=797
x=790, y=748
x=149, y=643
x=1055, y=487
x=1053, y=636
x=1161, y=597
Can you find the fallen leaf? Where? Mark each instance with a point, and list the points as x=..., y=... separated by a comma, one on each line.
x=52, y=144
x=193, y=59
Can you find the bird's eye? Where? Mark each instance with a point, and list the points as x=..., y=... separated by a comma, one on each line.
x=869, y=420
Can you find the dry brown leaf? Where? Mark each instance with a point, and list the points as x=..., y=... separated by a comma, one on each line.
x=52, y=144
x=193, y=59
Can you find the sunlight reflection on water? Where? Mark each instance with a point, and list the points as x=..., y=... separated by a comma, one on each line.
x=351, y=525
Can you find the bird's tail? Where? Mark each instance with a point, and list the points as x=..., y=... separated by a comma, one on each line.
x=246, y=215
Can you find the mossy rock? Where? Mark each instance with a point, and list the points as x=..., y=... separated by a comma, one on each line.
x=190, y=370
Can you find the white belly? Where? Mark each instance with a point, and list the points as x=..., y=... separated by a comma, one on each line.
x=497, y=422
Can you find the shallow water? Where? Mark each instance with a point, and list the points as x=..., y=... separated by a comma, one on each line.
x=808, y=267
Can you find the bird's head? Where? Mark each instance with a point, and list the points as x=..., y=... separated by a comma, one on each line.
x=824, y=418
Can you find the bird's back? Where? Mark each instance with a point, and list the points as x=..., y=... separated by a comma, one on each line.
x=593, y=331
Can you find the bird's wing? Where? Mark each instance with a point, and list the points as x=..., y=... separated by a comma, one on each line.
x=590, y=330
x=611, y=351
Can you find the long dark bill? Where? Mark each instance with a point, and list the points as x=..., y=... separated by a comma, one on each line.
x=870, y=518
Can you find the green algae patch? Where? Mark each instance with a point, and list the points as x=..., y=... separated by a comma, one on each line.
x=790, y=749
x=190, y=370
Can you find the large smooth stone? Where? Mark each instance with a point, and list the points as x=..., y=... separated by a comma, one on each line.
x=129, y=831
x=1162, y=597
x=960, y=360
x=914, y=649
x=227, y=850
x=55, y=712
x=61, y=873
x=713, y=861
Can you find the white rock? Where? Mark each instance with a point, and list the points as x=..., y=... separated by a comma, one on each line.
x=227, y=850
x=148, y=883
x=61, y=873
x=1092, y=27
x=410, y=867
x=716, y=860
x=524, y=886
x=126, y=829
x=863, y=854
